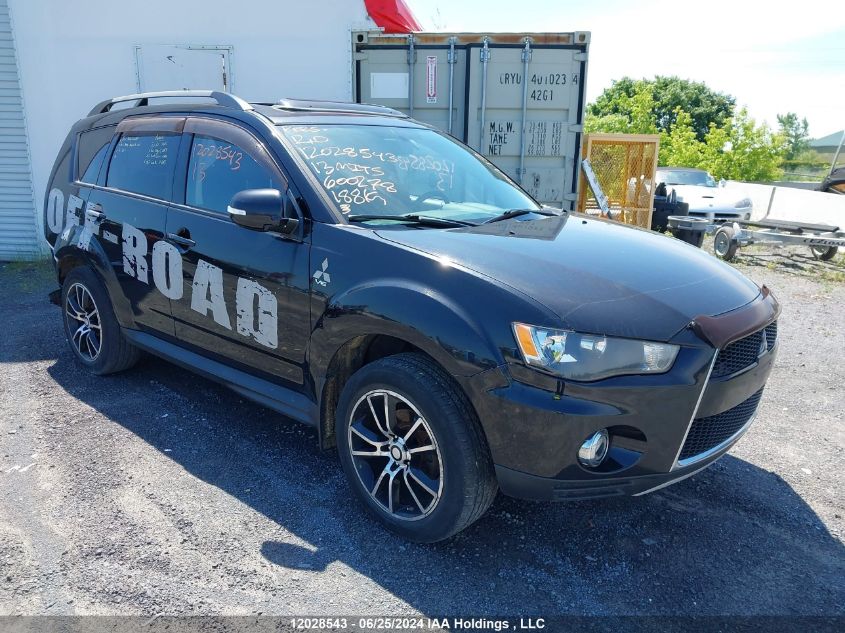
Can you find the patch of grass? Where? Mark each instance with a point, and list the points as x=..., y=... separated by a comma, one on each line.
x=28, y=276
x=839, y=260
x=836, y=276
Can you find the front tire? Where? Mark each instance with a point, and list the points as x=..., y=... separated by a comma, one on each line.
x=92, y=330
x=412, y=448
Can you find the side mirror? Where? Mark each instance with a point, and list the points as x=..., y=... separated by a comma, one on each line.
x=723, y=182
x=262, y=210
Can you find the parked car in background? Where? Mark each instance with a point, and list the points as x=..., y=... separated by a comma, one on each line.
x=706, y=198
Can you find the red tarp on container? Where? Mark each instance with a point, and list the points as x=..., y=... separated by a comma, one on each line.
x=393, y=16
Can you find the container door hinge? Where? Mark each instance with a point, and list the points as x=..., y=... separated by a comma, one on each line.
x=570, y=197
x=485, y=52
x=580, y=57
x=412, y=54
x=576, y=127
x=452, y=55
x=526, y=50
x=359, y=56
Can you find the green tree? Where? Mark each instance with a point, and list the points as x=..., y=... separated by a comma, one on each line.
x=679, y=146
x=704, y=105
x=743, y=150
x=738, y=150
x=639, y=117
x=795, y=131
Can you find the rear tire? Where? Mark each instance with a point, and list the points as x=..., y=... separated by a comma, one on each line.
x=412, y=448
x=724, y=244
x=824, y=253
x=92, y=330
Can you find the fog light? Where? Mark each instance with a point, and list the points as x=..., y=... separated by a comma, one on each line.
x=594, y=449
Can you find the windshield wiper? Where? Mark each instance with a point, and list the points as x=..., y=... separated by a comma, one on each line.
x=423, y=220
x=515, y=213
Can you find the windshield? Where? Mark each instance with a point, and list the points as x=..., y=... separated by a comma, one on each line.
x=686, y=177
x=395, y=171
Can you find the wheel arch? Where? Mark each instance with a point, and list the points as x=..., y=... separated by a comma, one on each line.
x=352, y=355
x=400, y=316
x=71, y=255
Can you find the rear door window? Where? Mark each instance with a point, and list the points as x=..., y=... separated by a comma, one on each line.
x=217, y=170
x=91, y=151
x=143, y=162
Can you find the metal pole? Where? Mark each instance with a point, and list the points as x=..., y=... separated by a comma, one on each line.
x=485, y=57
x=412, y=58
x=452, y=61
x=526, y=58
x=771, y=201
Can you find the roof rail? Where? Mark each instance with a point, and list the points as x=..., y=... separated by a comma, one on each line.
x=336, y=106
x=222, y=98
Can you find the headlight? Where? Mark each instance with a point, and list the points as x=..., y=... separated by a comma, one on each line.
x=589, y=357
x=742, y=204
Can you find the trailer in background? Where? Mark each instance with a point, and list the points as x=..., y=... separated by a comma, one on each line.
x=516, y=98
x=824, y=241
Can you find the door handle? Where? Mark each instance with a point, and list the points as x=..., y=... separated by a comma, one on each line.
x=178, y=240
x=95, y=212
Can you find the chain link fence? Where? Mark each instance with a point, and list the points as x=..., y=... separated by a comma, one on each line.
x=624, y=165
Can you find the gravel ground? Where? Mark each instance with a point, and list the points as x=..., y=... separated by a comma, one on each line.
x=158, y=492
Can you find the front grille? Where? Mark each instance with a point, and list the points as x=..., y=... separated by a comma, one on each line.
x=771, y=335
x=705, y=433
x=743, y=353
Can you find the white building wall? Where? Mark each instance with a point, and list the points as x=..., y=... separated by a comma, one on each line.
x=73, y=54
x=18, y=229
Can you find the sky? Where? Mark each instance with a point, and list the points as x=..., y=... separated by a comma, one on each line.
x=772, y=60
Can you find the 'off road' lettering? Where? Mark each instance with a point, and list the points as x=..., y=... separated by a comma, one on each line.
x=256, y=307
x=207, y=293
x=167, y=270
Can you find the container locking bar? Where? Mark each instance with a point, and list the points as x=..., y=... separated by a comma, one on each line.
x=412, y=59
x=485, y=58
x=526, y=59
x=452, y=58
x=224, y=99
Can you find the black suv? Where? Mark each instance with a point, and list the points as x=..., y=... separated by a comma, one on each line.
x=364, y=273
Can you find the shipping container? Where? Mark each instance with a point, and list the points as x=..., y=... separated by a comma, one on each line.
x=517, y=98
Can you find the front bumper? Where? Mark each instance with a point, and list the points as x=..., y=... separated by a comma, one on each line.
x=535, y=423
x=721, y=215
x=525, y=486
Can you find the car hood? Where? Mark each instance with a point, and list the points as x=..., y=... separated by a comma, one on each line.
x=597, y=276
x=708, y=195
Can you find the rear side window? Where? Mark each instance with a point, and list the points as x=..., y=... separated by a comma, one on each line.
x=91, y=150
x=143, y=163
x=218, y=170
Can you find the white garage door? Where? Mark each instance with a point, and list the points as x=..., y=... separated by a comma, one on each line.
x=18, y=226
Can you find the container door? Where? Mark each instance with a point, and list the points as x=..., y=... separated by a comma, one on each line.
x=490, y=102
x=383, y=77
x=547, y=98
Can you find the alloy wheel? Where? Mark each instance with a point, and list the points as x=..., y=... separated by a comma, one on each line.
x=721, y=243
x=83, y=319
x=395, y=455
